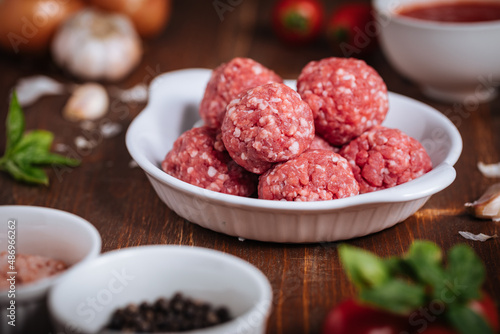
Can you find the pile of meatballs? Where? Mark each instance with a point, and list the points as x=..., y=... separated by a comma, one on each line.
x=324, y=141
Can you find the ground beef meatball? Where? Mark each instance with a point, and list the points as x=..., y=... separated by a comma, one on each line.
x=194, y=159
x=315, y=175
x=383, y=158
x=321, y=144
x=227, y=82
x=269, y=124
x=346, y=95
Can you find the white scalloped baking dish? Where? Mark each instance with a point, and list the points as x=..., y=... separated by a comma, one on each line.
x=173, y=109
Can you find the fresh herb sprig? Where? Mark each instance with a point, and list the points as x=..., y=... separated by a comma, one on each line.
x=25, y=152
x=413, y=281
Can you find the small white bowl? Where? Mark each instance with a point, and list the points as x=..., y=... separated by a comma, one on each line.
x=452, y=62
x=173, y=108
x=46, y=232
x=84, y=300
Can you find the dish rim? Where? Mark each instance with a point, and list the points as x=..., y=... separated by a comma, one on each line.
x=402, y=193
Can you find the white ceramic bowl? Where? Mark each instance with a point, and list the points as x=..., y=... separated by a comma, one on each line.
x=47, y=232
x=84, y=300
x=453, y=62
x=173, y=109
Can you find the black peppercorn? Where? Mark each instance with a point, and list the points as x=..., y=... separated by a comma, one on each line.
x=178, y=314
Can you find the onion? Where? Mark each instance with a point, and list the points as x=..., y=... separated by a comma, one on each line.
x=28, y=25
x=148, y=16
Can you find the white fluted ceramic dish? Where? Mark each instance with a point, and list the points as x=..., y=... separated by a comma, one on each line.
x=173, y=109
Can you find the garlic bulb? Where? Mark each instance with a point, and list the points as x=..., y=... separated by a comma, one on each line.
x=95, y=45
x=88, y=102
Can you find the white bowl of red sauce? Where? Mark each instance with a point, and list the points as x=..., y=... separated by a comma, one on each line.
x=451, y=49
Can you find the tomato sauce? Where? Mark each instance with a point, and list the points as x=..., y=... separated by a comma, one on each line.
x=460, y=12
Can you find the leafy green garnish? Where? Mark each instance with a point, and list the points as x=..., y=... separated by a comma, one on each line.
x=24, y=152
x=397, y=295
x=466, y=321
x=466, y=271
x=365, y=269
x=425, y=260
x=410, y=283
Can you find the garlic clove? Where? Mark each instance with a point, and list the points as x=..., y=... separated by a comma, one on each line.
x=489, y=170
x=488, y=205
x=89, y=101
x=30, y=89
x=476, y=237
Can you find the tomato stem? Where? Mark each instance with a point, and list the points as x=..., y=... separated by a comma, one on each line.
x=296, y=22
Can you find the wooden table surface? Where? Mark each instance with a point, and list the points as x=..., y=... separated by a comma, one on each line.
x=307, y=280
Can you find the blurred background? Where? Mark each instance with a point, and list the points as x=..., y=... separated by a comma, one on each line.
x=191, y=34
x=174, y=35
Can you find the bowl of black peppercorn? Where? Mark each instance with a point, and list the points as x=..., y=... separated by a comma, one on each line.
x=162, y=289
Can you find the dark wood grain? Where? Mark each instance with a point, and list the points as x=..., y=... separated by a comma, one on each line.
x=307, y=280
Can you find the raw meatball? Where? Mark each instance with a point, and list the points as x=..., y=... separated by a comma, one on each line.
x=227, y=82
x=383, y=158
x=315, y=175
x=268, y=124
x=347, y=97
x=321, y=144
x=194, y=159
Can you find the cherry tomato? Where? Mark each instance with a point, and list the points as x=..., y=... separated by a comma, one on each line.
x=351, y=317
x=297, y=21
x=486, y=307
x=28, y=25
x=438, y=329
x=351, y=29
x=148, y=16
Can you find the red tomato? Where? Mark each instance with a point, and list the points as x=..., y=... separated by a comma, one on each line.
x=297, y=21
x=351, y=29
x=438, y=329
x=351, y=317
x=486, y=307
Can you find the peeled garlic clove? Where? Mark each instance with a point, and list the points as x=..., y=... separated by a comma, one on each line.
x=30, y=89
x=476, y=237
x=88, y=102
x=489, y=170
x=488, y=205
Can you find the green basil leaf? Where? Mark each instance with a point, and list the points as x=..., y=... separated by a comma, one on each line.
x=466, y=321
x=34, y=149
x=14, y=124
x=54, y=159
x=26, y=173
x=365, y=269
x=32, y=144
x=425, y=259
x=396, y=296
x=399, y=267
x=466, y=272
